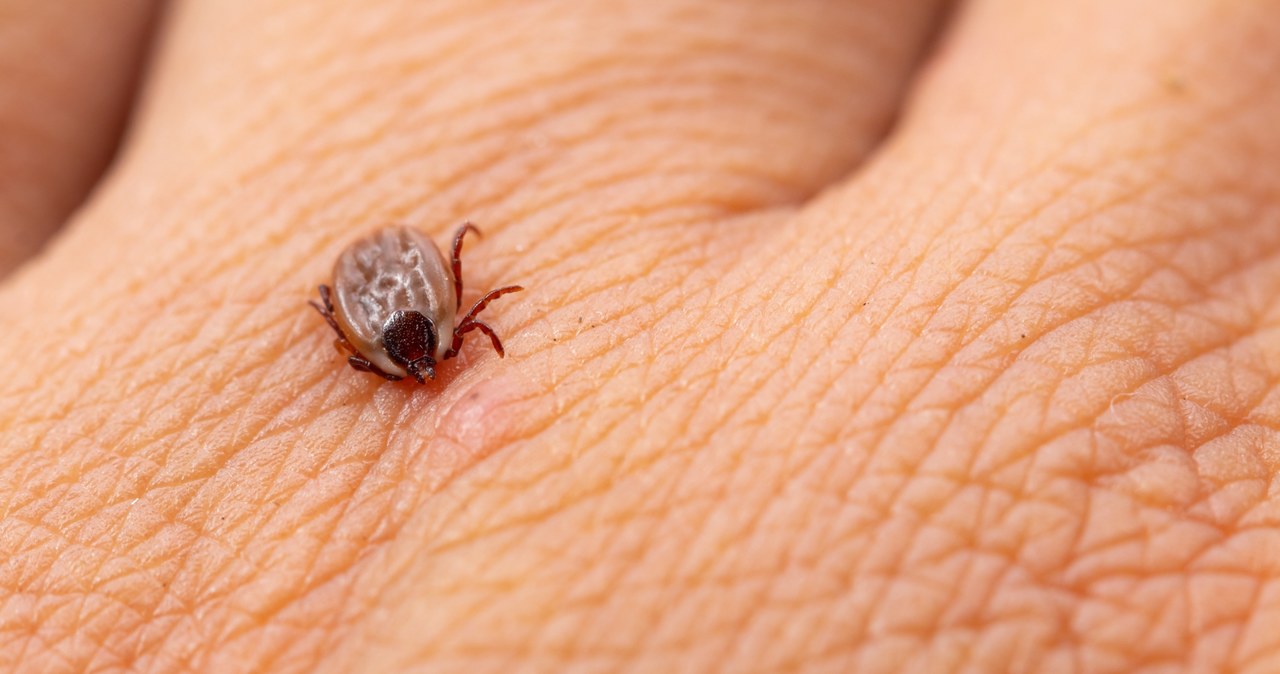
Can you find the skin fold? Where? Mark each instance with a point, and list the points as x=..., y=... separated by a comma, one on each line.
x=870, y=336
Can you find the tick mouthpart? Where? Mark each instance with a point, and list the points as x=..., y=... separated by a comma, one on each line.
x=420, y=367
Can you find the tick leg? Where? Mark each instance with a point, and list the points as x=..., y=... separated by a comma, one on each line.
x=343, y=345
x=457, y=259
x=324, y=295
x=327, y=311
x=469, y=323
x=363, y=365
x=468, y=327
x=493, y=337
x=484, y=302
x=358, y=362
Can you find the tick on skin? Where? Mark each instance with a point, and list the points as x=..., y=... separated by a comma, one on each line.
x=394, y=298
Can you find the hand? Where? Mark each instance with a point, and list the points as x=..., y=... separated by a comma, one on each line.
x=789, y=389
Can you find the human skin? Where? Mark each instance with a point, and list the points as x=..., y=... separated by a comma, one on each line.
x=788, y=391
x=66, y=70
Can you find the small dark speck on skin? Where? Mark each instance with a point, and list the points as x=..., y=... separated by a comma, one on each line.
x=864, y=304
x=579, y=320
x=1024, y=335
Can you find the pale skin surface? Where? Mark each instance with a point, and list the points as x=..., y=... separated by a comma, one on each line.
x=994, y=392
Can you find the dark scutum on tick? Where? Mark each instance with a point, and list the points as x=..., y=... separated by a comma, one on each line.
x=395, y=298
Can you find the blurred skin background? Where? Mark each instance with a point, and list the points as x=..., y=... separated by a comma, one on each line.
x=871, y=336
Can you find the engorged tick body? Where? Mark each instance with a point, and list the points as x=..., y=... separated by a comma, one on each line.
x=395, y=304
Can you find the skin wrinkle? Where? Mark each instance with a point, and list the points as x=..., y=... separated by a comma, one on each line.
x=489, y=103
x=1035, y=213
x=534, y=507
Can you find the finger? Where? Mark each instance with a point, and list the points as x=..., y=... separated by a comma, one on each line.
x=1055, y=296
x=1102, y=166
x=68, y=72
x=797, y=93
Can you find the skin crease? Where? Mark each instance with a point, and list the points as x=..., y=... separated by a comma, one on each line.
x=1000, y=396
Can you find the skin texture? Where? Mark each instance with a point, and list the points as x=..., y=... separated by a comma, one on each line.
x=789, y=390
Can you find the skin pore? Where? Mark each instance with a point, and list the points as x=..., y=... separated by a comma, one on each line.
x=871, y=336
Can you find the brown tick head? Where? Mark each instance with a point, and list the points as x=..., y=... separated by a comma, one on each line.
x=410, y=340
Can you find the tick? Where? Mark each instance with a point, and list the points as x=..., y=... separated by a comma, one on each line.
x=395, y=304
